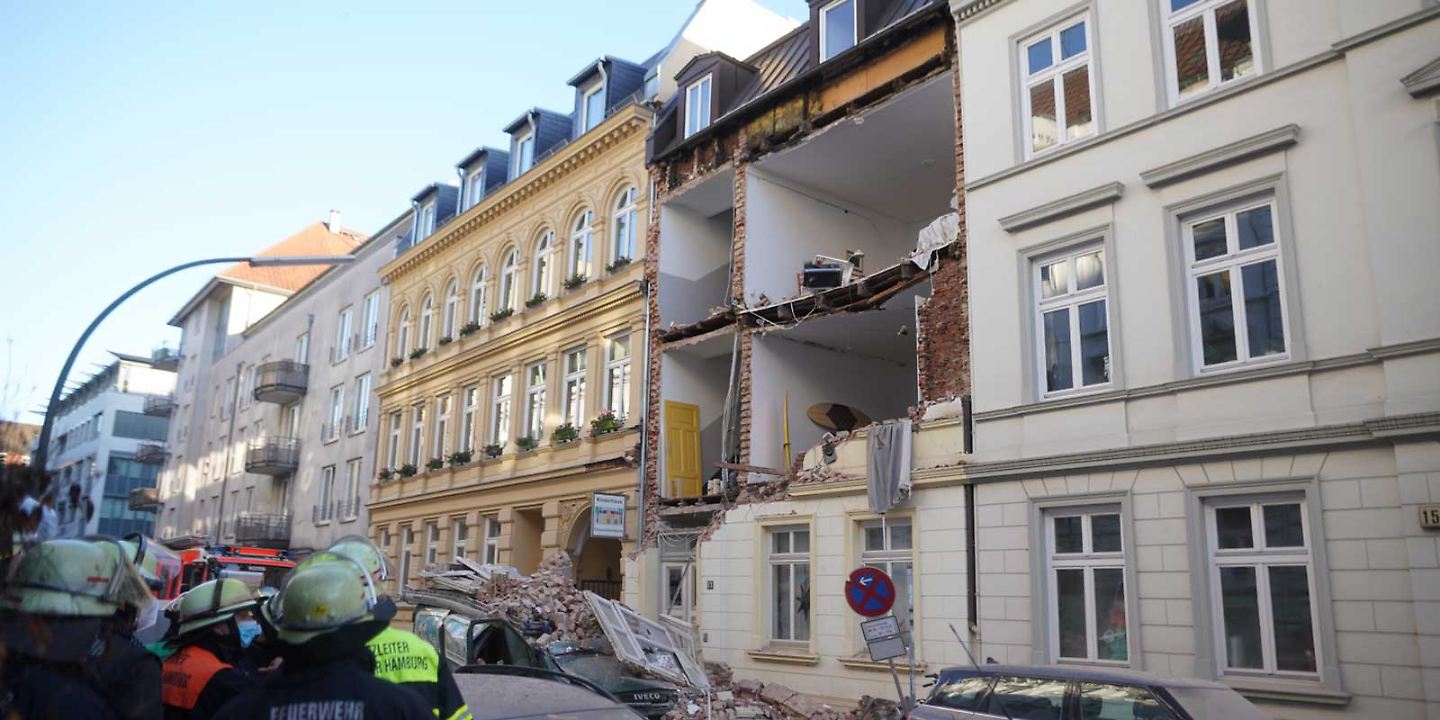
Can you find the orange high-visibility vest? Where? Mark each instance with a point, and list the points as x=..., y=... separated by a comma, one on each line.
x=186, y=673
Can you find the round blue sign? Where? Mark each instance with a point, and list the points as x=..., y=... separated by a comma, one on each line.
x=870, y=592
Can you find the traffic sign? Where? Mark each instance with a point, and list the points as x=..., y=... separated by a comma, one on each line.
x=870, y=592
x=883, y=638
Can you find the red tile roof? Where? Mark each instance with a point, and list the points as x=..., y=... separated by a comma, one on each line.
x=315, y=239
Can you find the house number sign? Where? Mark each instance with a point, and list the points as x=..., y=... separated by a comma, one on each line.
x=1430, y=516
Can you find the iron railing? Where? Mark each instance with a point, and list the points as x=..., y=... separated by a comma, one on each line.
x=263, y=528
x=608, y=589
x=281, y=381
x=338, y=510
x=272, y=456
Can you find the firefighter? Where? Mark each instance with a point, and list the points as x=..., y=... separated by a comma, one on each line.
x=321, y=620
x=128, y=673
x=63, y=605
x=201, y=676
x=401, y=656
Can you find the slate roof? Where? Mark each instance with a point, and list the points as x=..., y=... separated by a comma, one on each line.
x=781, y=60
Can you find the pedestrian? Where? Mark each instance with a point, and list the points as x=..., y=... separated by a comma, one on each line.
x=322, y=619
x=61, y=608
x=401, y=656
x=201, y=676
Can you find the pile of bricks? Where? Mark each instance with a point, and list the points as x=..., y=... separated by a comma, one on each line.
x=549, y=596
x=747, y=699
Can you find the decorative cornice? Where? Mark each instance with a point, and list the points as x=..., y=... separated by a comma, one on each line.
x=1069, y=205
x=1424, y=81
x=633, y=121
x=603, y=464
x=1219, y=157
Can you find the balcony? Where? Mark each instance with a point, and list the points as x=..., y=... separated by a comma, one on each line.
x=159, y=405
x=274, y=456
x=282, y=381
x=270, y=530
x=145, y=499
x=151, y=454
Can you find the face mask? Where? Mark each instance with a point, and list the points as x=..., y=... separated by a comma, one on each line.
x=249, y=630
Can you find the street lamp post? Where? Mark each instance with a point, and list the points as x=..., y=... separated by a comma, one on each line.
x=43, y=447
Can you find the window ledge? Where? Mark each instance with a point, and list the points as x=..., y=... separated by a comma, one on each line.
x=1293, y=692
x=783, y=655
x=861, y=662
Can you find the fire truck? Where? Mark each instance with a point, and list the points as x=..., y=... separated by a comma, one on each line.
x=257, y=567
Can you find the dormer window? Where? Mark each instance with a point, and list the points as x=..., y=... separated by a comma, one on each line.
x=524, y=153
x=697, y=106
x=474, y=187
x=837, y=28
x=592, y=107
x=427, y=221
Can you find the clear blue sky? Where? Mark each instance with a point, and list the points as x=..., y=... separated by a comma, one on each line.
x=135, y=136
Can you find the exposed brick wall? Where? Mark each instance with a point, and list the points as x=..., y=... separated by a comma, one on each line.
x=943, y=346
x=652, y=398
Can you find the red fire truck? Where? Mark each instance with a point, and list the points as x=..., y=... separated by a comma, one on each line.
x=257, y=567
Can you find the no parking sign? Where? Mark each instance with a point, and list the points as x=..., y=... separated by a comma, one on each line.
x=870, y=592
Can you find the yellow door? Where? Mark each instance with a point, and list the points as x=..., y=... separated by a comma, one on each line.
x=682, y=449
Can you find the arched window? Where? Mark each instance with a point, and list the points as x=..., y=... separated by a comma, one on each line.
x=452, y=302
x=479, y=313
x=427, y=316
x=581, y=238
x=622, y=244
x=544, y=268
x=402, y=335
x=507, y=281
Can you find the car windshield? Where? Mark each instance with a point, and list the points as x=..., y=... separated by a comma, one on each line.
x=602, y=669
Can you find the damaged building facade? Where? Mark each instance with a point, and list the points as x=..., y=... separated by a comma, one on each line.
x=806, y=280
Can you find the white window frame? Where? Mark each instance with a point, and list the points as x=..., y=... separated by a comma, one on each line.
x=427, y=323
x=854, y=29
x=459, y=534
x=371, y=319
x=336, y=426
x=1071, y=300
x=344, y=326
x=1232, y=261
x=509, y=277
x=582, y=245
x=535, y=382
x=432, y=542
x=407, y=540
x=1261, y=557
x=1205, y=8
x=469, y=414
x=1055, y=76
x=475, y=187
x=573, y=400
x=479, y=292
x=417, y=435
x=302, y=348
x=623, y=241
x=699, y=93
x=327, y=494
x=402, y=334
x=362, y=403
x=425, y=222
x=392, y=450
x=500, y=408
x=451, y=313
x=587, y=121
x=443, y=406
x=1088, y=560
x=491, y=542
x=623, y=366
x=521, y=164
x=790, y=559
x=352, y=490
x=542, y=271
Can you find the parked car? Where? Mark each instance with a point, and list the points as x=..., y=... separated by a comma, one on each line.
x=512, y=692
x=464, y=635
x=1047, y=692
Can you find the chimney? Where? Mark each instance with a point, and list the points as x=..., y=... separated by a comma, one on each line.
x=334, y=222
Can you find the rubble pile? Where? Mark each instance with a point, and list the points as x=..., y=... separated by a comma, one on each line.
x=748, y=699
x=548, y=597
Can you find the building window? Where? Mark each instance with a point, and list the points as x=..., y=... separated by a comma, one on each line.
x=392, y=448
x=574, y=399
x=1208, y=43
x=461, y=532
x=407, y=540
x=617, y=376
x=442, y=426
x=1072, y=321
x=790, y=584
x=581, y=238
x=302, y=348
x=417, y=434
x=506, y=301
x=343, y=328
x=475, y=188
x=542, y=274
x=327, y=493
x=838, y=28
x=337, y=413
x=426, y=224
x=1262, y=586
x=500, y=410
x=478, y=290
x=1086, y=566
x=362, y=403
x=524, y=154
x=888, y=545
x=1236, y=292
x=371, y=319
x=427, y=320
x=450, y=314
x=402, y=334
x=592, y=107
x=697, y=106
x=468, y=413
x=622, y=246
x=492, y=540
x=350, y=501
x=1058, y=89
x=432, y=542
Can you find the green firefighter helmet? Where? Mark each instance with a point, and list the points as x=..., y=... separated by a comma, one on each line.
x=212, y=603
x=74, y=578
x=154, y=561
x=323, y=594
x=361, y=550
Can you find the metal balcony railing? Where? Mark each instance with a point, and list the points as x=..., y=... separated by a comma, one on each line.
x=281, y=381
x=151, y=453
x=263, y=529
x=338, y=510
x=159, y=405
x=272, y=456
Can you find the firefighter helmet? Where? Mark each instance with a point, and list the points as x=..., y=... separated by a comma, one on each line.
x=212, y=603
x=320, y=596
x=75, y=578
x=361, y=550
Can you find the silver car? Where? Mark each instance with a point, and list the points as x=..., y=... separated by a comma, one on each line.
x=1049, y=692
